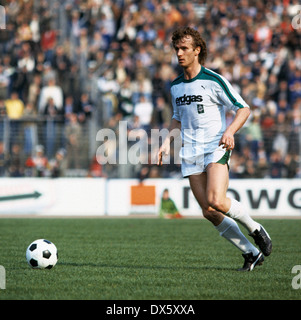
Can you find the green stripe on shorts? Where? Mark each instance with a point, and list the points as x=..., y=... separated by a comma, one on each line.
x=225, y=158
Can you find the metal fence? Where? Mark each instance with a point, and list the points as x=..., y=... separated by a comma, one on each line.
x=52, y=147
x=28, y=138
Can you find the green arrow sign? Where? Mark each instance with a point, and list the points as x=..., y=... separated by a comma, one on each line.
x=34, y=195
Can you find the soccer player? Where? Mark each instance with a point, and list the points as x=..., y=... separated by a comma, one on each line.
x=200, y=98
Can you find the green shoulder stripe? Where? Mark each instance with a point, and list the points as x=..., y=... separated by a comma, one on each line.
x=208, y=75
x=178, y=80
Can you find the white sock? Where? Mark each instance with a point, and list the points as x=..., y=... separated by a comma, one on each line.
x=240, y=214
x=229, y=229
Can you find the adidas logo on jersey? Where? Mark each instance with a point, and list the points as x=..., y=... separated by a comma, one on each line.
x=187, y=99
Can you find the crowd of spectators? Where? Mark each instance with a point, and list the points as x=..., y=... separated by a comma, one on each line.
x=54, y=56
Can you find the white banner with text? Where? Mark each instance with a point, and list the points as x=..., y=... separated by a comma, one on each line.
x=123, y=197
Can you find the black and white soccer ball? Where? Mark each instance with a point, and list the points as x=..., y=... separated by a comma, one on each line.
x=41, y=254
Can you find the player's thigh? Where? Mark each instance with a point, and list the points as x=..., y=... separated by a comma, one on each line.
x=217, y=185
x=198, y=185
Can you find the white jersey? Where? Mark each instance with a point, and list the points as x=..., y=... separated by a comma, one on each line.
x=200, y=104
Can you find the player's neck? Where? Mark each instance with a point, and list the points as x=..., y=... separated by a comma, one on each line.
x=192, y=71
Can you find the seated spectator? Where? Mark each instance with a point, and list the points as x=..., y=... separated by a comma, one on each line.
x=61, y=63
x=58, y=164
x=14, y=106
x=34, y=90
x=51, y=109
x=69, y=108
x=14, y=110
x=96, y=169
x=37, y=165
x=276, y=165
x=86, y=107
x=291, y=166
x=48, y=42
x=14, y=163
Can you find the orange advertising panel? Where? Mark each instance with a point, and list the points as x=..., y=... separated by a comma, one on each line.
x=143, y=195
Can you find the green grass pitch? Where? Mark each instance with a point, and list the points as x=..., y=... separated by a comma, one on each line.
x=144, y=259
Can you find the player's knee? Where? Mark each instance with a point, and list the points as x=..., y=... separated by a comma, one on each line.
x=215, y=202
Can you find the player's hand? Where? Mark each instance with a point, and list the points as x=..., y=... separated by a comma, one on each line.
x=163, y=151
x=227, y=141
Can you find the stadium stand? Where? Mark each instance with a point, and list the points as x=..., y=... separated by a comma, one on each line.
x=70, y=68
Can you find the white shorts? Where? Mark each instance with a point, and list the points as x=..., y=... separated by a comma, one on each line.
x=198, y=164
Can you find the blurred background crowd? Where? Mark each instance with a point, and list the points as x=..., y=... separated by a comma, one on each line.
x=70, y=68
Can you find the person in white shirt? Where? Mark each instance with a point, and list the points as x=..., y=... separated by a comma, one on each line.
x=200, y=98
x=144, y=110
x=51, y=91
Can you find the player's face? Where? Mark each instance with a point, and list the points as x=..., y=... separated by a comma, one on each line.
x=186, y=52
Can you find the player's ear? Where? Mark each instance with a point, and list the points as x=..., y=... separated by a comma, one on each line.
x=197, y=50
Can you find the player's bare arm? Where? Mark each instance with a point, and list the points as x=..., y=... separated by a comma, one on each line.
x=165, y=148
x=227, y=139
